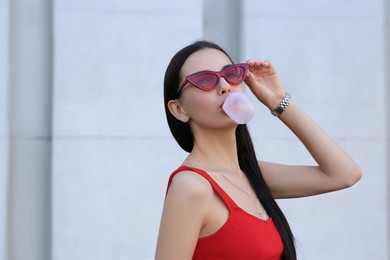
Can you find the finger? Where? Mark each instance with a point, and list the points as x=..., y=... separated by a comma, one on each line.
x=251, y=64
x=257, y=64
x=267, y=63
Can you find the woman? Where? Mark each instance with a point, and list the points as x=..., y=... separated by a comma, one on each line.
x=220, y=202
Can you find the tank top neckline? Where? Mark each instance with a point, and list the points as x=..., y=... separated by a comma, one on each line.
x=221, y=192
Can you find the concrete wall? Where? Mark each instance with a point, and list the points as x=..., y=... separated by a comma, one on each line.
x=386, y=12
x=4, y=32
x=331, y=58
x=29, y=124
x=112, y=151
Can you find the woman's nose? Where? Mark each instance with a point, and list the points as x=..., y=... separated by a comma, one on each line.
x=223, y=86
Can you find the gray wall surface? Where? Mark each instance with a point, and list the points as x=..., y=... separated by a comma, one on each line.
x=4, y=30
x=100, y=150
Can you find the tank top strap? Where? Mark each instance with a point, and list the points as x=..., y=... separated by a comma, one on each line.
x=225, y=197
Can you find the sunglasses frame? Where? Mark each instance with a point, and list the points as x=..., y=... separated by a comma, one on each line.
x=219, y=74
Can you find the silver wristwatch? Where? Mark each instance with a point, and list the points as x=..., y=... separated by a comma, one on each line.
x=282, y=105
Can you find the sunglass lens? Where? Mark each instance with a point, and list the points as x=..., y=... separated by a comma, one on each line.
x=234, y=74
x=205, y=81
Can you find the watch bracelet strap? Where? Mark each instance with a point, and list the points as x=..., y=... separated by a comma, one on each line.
x=282, y=105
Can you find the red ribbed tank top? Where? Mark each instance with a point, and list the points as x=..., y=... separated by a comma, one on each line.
x=243, y=236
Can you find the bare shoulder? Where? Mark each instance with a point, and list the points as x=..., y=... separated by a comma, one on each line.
x=190, y=184
x=185, y=209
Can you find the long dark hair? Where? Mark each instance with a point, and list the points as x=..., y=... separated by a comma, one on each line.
x=246, y=153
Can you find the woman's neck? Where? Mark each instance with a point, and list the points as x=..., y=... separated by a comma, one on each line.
x=215, y=149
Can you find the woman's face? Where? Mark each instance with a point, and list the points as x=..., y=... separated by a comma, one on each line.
x=204, y=108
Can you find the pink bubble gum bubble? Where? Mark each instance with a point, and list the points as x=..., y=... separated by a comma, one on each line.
x=239, y=107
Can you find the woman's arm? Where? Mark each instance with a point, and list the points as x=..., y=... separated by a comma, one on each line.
x=183, y=216
x=336, y=169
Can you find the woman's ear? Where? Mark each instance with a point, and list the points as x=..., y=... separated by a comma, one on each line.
x=178, y=111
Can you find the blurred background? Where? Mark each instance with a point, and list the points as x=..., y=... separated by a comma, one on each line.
x=85, y=150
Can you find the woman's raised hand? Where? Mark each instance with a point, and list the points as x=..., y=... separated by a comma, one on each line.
x=263, y=80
